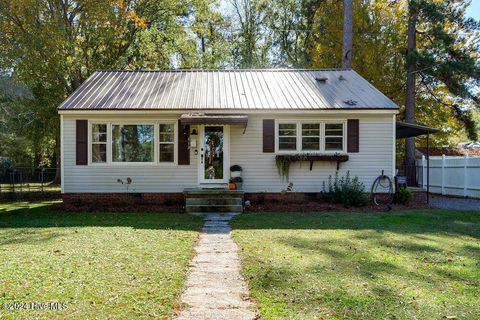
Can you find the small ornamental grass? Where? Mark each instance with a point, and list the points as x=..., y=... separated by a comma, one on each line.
x=349, y=192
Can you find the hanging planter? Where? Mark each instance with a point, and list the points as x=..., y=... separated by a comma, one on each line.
x=283, y=161
x=235, y=171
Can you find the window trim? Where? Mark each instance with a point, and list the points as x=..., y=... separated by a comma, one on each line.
x=90, y=143
x=320, y=136
x=322, y=123
x=277, y=136
x=175, y=143
x=344, y=145
x=156, y=142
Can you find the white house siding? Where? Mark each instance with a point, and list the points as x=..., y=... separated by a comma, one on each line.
x=259, y=170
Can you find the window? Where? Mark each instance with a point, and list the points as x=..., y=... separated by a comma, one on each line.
x=333, y=136
x=287, y=136
x=167, y=142
x=99, y=143
x=311, y=136
x=132, y=143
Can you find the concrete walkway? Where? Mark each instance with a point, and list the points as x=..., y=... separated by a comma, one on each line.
x=215, y=288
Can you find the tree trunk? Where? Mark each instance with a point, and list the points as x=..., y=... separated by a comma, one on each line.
x=347, y=48
x=410, y=94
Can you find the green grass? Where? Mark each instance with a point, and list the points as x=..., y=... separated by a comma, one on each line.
x=101, y=265
x=400, y=265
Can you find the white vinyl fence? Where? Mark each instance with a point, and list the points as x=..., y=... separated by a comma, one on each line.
x=459, y=176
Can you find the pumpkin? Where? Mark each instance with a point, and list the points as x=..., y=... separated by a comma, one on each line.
x=232, y=186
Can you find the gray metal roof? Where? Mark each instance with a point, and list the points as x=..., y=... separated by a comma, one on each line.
x=227, y=89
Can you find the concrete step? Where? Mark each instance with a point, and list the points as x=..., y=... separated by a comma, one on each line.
x=212, y=193
x=213, y=208
x=214, y=201
x=216, y=216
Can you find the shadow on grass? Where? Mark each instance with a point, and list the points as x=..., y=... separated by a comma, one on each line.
x=417, y=222
x=42, y=216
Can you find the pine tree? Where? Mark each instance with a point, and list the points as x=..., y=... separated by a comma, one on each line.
x=446, y=58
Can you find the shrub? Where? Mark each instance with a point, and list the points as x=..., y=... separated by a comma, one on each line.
x=345, y=190
x=235, y=167
x=236, y=179
x=404, y=196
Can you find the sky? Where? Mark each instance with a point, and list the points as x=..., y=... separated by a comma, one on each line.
x=474, y=9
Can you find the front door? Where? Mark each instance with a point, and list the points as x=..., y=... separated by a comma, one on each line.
x=214, y=154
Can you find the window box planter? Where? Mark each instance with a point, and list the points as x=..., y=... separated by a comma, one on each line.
x=283, y=161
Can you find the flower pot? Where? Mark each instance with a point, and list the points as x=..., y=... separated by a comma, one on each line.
x=235, y=174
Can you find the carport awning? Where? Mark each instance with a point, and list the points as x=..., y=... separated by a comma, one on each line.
x=408, y=130
x=208, y=118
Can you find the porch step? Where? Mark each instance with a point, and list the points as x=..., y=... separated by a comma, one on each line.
x=202, y=201
x=213, y=208
x=223, y=201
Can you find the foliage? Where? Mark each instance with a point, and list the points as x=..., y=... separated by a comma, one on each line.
x=52, y=47
x=346, y=191
x=87, y=259
x=49, y=48
x=283, y=167
x=369, y=265
x=236, y=167
x=236, y=180
x=403, y=196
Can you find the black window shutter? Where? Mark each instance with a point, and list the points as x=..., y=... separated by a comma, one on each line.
x=81, y=142
x=183, y=151
x=353, y=135
x=268, y=135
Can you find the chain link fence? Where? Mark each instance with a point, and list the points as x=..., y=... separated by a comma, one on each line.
x=16, y=182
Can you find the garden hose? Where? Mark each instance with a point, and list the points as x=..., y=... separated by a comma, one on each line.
x=382, y=190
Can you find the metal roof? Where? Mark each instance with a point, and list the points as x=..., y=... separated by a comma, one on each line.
x=409, y=130
x=227, y=89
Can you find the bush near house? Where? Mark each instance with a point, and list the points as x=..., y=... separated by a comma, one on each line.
x=345, y=190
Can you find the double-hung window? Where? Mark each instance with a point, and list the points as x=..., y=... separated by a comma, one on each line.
x=333, y=136
x=166, y=149
x=311, y=136
x=287, y=136
x=307, y=136
x=132, y=142
x=99, y=143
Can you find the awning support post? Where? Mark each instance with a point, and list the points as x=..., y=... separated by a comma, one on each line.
x=428, y=168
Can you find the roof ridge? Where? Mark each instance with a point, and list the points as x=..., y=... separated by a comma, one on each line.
x=227, y=70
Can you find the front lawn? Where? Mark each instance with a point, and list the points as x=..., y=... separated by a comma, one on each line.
x=399, y=265
x=100, y=265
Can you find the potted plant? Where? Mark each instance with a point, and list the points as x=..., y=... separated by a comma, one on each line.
x=235, y=171
x=238, y=182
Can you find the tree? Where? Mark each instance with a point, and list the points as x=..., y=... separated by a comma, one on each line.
x=347, y=47
x=53, y=46
x=252, y=39
x=444, y=59
x=413, y=11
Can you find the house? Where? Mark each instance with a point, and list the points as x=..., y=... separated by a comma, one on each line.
x=155, y=134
